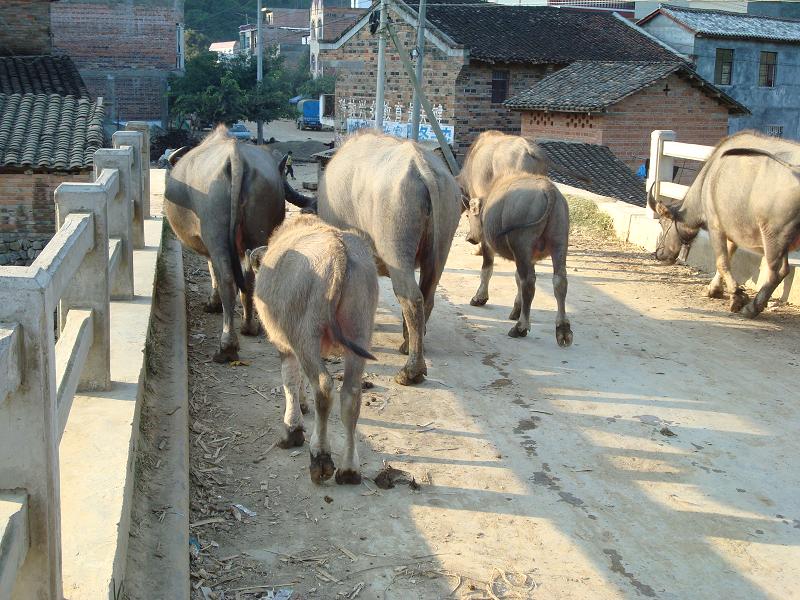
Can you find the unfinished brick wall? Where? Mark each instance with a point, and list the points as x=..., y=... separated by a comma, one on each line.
x=625, y=128
x=133, y=42
x=463, y=90
x=27, y=213
x=25, y=27
x=439, y=74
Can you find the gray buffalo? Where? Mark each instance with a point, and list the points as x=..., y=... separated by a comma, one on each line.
x=523, y=218
x=407, y=202
x=222, y=198
x=746, y=195
x=316, y=291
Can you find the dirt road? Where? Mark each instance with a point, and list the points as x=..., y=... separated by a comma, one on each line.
x=656, y=457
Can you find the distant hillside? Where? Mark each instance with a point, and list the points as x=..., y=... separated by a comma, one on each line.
x=219, y=20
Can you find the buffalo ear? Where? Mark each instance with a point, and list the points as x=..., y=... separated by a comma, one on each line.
x=663, y=210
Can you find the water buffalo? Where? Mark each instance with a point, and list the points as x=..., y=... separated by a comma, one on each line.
x=221, y=198
x=746, y=195
x=523, y=218
x=316, y=290
x=406, y=201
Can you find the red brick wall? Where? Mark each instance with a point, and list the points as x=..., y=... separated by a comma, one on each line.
x=133, y=41
x=464, y=90
x=626, y=127
x=25, y=26
x=27, y=213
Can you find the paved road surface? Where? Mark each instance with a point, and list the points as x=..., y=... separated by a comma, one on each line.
x=656, y=457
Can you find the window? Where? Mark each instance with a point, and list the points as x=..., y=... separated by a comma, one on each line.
x=767, y=69
x=180, y=47
x=499, y=86
x=774, y=130
x=723, y=73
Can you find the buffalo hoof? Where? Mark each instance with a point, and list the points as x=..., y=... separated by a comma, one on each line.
x=750, y=311
x=738, y=300
x=226, y=355
x=304, y=408
x=406, y=377
x=714, y=292
x=212, y=307
x=404, y=347
x=348, y=476
x=322, y=467
x=515, y=332
x=564, y=335
x=514, y=314
x=476, y=301
x=251, y=329
x=292, y=438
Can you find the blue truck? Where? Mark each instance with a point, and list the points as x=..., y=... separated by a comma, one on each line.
x=308, y=117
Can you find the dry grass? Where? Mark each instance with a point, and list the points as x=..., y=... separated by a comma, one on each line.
x=584, y=215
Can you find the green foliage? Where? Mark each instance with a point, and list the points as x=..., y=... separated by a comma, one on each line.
x=225, y=91
x=314, y=88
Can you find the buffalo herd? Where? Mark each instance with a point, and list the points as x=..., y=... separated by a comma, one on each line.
x=387, y=207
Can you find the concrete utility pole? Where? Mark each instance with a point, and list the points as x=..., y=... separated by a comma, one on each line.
x=259, y=68
x=423, y=5
x=379, y=98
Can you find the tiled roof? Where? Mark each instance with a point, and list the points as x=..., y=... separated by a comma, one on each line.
x=540, y=34
x=593, y=86
x=49, y=132
x=723, y=24
x=609, y=175
x=40, y=75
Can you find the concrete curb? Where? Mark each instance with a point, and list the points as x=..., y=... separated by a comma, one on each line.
x=158, y=559
x=636, y=225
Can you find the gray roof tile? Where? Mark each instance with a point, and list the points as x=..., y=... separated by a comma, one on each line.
x=609, y=175
x=40, y=75
x=593, y=86
x=723, y=24
x=49, y=132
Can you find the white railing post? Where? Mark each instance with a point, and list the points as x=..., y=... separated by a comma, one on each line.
x=144, y=128
x=134, y=140
x=89, y=288
x=120, y=215
x=660, y=166
x=28, y=431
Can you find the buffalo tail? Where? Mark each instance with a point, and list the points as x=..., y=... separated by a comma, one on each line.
x=237, y=176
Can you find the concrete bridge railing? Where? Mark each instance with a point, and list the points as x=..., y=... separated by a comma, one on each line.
x=54, y=342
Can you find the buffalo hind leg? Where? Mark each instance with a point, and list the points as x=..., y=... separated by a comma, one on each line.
x=250, y=323
x=717, y=287
x=413, y=306
x=481, y=297
x=229, y=342
x=321, y=467
x=563, y=331
x=526, y=282
x=214, y=304
x=349, y=470
x=720, y=245
x=292, y=389
x=515, y=310
x=778, y=269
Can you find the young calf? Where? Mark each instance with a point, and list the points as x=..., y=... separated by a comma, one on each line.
x=316, y=291
x=523, y=218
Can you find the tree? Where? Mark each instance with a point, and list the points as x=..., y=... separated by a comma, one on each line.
x=215, y=90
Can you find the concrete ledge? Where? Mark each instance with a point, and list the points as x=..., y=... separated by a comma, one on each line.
x=98, y=448
x=636, y=225
x=14, y=539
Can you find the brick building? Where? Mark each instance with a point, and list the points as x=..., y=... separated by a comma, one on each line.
x=618, y=104
x=25, y=27
x=329, y=19
x=477, y=56
x=125, y=51
x=49, y=130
